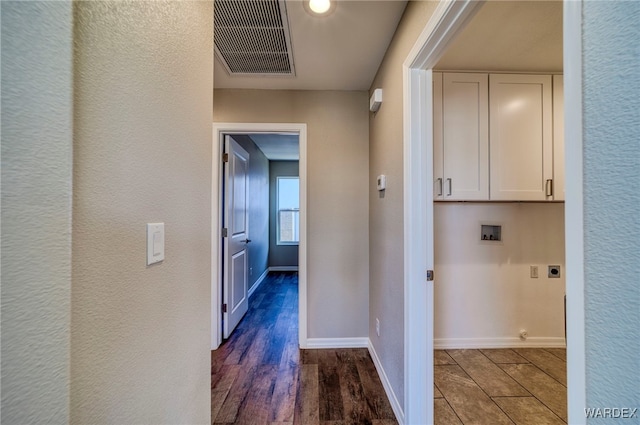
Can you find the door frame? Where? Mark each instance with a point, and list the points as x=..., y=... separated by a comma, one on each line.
x=449, y=18
x=219, y=130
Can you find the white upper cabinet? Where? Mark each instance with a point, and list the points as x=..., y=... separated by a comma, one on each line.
x=498, y=137
x=521, y=137
x=461, y=137
x=558, y=138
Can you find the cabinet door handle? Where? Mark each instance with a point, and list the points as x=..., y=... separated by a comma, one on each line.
x=439, y=180
x=450, y=184
x=549, y=187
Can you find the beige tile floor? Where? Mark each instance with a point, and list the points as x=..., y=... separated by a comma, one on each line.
x=522, y=386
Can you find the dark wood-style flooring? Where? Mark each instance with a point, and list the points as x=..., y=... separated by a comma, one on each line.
x=259, y=376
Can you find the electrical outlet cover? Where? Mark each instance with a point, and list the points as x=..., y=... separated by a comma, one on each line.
x=533, y=271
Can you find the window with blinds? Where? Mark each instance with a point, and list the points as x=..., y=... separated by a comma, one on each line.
x=288, y=210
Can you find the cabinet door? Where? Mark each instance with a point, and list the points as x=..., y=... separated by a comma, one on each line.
x=520, y=137
x=558, y=138
x=465, y=136
x=438, y=160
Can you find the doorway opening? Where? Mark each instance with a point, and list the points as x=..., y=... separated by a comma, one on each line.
x=498, y=314
x=258, y=138
x=448, y=20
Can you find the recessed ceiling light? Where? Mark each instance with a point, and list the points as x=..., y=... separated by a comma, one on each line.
x=320, y=6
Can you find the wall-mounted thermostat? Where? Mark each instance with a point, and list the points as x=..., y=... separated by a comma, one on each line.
x=382, y=182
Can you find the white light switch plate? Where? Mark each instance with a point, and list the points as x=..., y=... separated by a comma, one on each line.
x=155, y=243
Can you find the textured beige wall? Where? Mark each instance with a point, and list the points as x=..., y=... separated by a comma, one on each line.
x=37, y=137
x=386, y=295
x=140, y=336
x=337, y=174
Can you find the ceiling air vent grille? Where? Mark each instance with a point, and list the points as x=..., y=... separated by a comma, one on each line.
x=252, y=37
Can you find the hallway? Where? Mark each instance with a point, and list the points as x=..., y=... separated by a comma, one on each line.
x=259, y=376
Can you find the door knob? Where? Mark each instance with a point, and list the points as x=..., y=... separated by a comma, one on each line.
x=246, y=240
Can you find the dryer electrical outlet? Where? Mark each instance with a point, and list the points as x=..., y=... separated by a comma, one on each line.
x=554, y=272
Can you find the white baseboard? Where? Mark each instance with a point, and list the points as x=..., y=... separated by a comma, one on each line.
x=258, y=282
x=532, y=342
x=283, y=268
x=395, y=404
x=337, y=343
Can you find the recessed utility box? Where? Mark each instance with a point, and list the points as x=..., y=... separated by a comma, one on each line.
x=490, y=232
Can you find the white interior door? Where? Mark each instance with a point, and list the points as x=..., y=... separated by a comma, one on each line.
x=236, y=222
